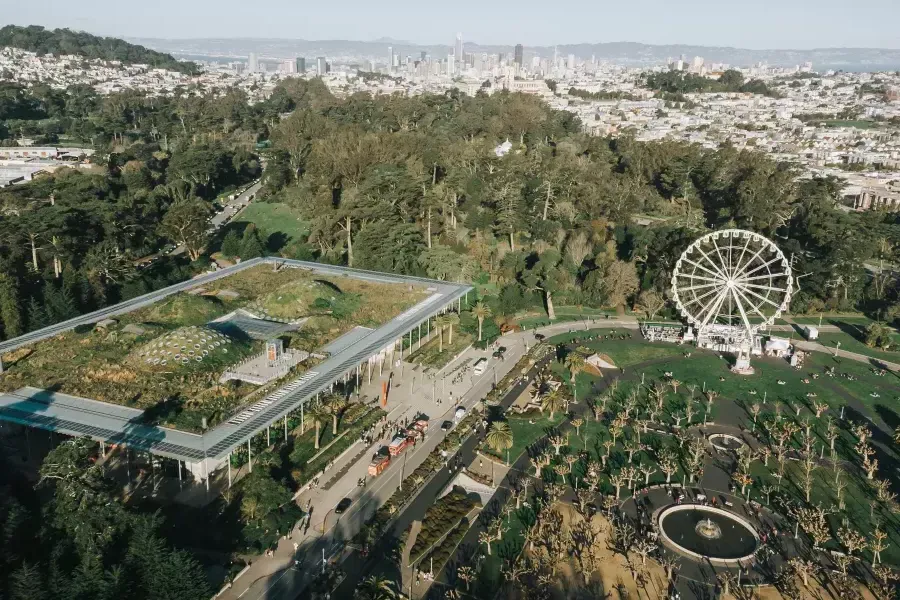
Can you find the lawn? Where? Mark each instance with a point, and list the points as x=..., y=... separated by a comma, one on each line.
x=856, y=124
x=434, y=354
x=852, y=342
x=860, y=501
x=275, y=217
x=625, y=353
x=564, y=314
x=525, y=433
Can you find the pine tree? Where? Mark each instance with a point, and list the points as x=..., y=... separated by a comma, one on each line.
x=231, y=244
x=10, y=307
x=25, y=584
x=251, y=245
x=37, y=316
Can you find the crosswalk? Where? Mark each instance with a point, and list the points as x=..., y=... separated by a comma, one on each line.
x=272, y=398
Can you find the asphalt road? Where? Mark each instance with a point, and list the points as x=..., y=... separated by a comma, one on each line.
x=379, y=561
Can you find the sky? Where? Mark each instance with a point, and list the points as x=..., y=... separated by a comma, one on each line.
x=755, y=24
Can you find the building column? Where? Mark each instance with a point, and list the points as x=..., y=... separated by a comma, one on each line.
x=268, y=436
x=229, y=470
x=285, y=428
x=179, y=471
x=419, y=340
x=302, y=424
x=206, y=474
x=467, y=298
x=102, y=449
x=249, y=455
x=459, y=304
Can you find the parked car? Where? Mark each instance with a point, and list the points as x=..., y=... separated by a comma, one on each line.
x=460, y=414
x=446, y=425
x=342, y=506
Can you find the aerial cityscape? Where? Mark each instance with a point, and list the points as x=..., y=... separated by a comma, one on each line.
x=505, y=314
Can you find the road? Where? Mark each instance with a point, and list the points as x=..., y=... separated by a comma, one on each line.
x=275, y=578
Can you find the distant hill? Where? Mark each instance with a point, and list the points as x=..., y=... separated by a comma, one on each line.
x=624, y=53
x=65, y=41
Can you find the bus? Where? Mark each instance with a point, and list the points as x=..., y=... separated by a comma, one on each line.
x=480, y=366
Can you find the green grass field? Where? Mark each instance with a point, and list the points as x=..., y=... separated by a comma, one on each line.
x=525, y=433
x=430, y=354
x=275, y=217
x=852, y=343
x=862, y=507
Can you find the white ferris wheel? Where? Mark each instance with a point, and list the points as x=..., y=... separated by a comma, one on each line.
x=729, y=284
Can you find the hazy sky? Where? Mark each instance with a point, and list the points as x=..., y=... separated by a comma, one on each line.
x=742, y=23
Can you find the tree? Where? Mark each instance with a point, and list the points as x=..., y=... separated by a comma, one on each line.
x=553, y=401
x=650, y=302
x=377, y=588
x=10, y=307
x=451, y=319
x=335, y=406
x=317, y=416
x=251, y=244
x=231, y=244
x=185, y=224
x=481, y=311
x=499, y=437
x=620, y=282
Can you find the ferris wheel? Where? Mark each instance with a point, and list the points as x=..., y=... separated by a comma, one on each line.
x=732, y=280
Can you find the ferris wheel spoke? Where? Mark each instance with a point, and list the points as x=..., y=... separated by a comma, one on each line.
x=763, y=298
x=691, y=288
x=691, y=276
x=713, y=309
x=751, y=304
x=740, y=305
x=755, y=269
x=749, y=262
x=741, y=257
x=715, y=266
x=702, y=296
x=759, y=287
x=742, y=280
x=699, y=266
x=726, y=266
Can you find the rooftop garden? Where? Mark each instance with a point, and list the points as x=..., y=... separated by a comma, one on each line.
x=167, y=360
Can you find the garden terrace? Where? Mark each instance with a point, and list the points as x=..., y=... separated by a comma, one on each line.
x=97, y=368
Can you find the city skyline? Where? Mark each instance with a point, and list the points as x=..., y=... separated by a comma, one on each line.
x=768, y=24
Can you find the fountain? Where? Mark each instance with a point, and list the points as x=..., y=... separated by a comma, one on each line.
x=708, y=529
x=707, y=533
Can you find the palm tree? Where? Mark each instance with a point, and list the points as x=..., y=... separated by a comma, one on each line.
x=377, y=588
x=317, y=415
x=553, y=401
x=481, y=312
x=335, y=406
x=575, y=362
x=452, y=319
x=500, y=437
x=440, y=323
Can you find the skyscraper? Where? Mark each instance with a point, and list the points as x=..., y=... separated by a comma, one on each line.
x=321, y=65
x=253, y=63
x=520, y=55
x=451, y=65
x=301, y=64
x=459, y=49
x=390, y=57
